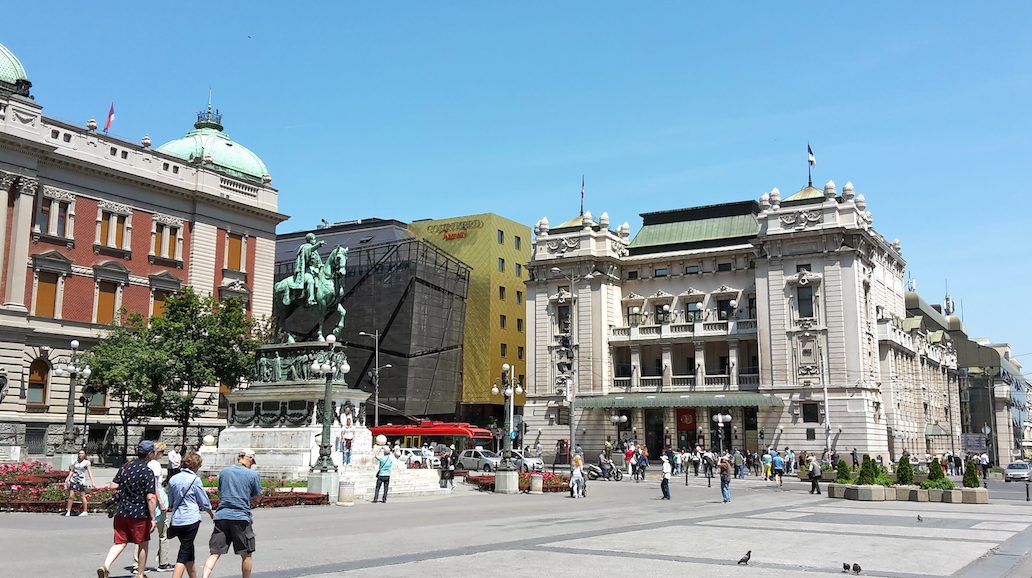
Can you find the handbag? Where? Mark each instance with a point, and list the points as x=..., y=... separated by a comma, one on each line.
x=171, y=531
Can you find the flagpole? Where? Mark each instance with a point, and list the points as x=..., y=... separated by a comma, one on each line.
x=581, y=196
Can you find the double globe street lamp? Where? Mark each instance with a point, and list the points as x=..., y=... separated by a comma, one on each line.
x=330, y=368
x=506, y=480
x=721, y=419
x=74, y=371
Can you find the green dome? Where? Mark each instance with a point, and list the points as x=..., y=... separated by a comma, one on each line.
x=207, y=142
x=12, y=73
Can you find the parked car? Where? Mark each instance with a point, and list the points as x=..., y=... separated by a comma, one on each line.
x=485, y=460
x=1018, y=471
x=411, y=456
x=527, y=463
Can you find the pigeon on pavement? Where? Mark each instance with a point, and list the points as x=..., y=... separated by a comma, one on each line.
x=856, y=568
x=919, y=518
x=745, y=559
x=845, y=566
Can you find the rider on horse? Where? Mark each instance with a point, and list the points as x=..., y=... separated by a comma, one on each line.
x=306, y=267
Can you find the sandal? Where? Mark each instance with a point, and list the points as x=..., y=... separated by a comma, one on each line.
x=103, y=572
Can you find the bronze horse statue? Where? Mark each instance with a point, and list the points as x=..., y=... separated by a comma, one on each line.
x=329, y=291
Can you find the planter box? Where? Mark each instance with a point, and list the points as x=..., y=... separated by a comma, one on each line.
x=851, y=492
x=953, y=496
x=828, y=476
x=934, y=495
x=919, y=477
x=836, y=490
x=995, y=475
x=902, y=492
x=870, y=493
x=976, y=495
x=918, y=495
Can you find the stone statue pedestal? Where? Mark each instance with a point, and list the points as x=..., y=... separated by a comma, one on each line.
x=279, y=416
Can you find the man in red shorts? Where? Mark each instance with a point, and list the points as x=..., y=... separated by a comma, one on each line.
x=134, y=518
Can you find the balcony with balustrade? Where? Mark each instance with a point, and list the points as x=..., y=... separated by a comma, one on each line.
x=673, y=328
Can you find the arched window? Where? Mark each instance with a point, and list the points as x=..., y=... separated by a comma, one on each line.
x=39, y=380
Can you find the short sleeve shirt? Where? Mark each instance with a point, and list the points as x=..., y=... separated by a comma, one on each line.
x=135, y=481
x=79, y=472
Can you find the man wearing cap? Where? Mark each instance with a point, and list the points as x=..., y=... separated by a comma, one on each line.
x=238, y=484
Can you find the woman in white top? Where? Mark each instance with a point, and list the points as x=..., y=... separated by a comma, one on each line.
x=577, y=477
x=76, y=482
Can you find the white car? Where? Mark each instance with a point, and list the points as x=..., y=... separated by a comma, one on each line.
x=527, y=463
x=1017, y=471
x=411, y=456
x=485, y=460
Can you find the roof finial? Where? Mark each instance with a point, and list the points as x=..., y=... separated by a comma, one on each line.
x=209, y=99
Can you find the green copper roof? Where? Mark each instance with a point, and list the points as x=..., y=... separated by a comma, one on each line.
x=805, y=193
x=11, y=69
x=912, y=323
x=207, y=141
x=696, y=230
x=705, y=399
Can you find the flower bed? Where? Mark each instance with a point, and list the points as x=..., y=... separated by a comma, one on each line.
x=550, y=482
x=32, y=487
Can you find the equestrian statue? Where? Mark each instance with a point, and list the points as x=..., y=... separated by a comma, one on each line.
x=316, y=289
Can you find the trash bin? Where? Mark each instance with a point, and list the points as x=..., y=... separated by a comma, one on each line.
x=537, y=483
x=346, y=493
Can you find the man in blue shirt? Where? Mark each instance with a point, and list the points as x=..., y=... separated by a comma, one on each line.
x=779, y=467
x=237, y=485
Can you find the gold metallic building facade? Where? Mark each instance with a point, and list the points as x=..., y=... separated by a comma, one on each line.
x=498, y=250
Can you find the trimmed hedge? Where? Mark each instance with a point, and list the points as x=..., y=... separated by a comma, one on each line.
x=971, y=475
x=905, y=472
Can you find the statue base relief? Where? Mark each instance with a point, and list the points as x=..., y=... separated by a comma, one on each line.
x=279, y=416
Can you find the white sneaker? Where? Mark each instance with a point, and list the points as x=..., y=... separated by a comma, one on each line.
x=66, y=514
x=83, y=514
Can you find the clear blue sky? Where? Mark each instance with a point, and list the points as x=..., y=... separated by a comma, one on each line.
x=414, y=110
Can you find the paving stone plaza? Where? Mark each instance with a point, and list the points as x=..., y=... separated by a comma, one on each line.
x=620, y=529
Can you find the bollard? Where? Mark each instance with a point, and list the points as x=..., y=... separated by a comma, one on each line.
x=346, y=493
x=537, y=482
x=709, y=480
x=686, y=477
x=1026, y=492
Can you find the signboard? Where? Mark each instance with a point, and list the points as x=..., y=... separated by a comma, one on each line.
x=686, y=419
x=972, y=442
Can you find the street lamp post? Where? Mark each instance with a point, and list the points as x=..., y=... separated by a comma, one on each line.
x=375, y=336
x=571, y=384
x=506, y=479
x=74, y=371
x=720, y=419
x=323, y=477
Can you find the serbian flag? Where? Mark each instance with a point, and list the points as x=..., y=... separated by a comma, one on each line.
x=110, y=118
x=809, y=155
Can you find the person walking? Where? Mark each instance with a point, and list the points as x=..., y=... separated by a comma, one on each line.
x=767, y=465
x=856, y=459
x=665, y=484
x=629, y=459
x=739, y=463
x=161, y=512
x=238, y=485
x=76, y=482
x=134, y=517
x=724, y=467
x=175, y=460
x=778, y=464
x=983, y=460
x=814, y=474
x=188, y=499
x=577, y=477
x=383, y=474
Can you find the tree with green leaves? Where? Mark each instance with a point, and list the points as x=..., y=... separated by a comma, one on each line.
x=905, y=472
x=934, y=470
x=868, y=471
x=971, y=475
x=206, y=342
x=124, y=364
x=845, y=473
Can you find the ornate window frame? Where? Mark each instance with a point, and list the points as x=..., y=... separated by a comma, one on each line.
x=114, y=210
x=167, y=222
x=49, y=233
x=110, y=272
x=50, y=262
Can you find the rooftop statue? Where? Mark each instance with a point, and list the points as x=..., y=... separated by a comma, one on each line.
x=315, y=286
